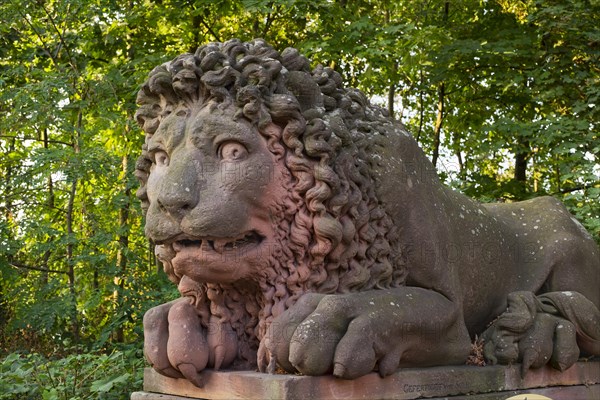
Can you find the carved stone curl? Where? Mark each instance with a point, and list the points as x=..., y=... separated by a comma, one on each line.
x=305, y=229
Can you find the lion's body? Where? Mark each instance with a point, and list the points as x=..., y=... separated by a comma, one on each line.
x=479, y=253
x=288, y=210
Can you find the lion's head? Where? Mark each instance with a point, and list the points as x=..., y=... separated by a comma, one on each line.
x=256, y=186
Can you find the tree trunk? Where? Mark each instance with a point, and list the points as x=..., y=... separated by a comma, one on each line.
x=71, y=262
x=49, y=180
x=121, y=253
x=521, y=167
x=437, y=130
x=70, y=220
x=557, y=173
x=392, y=89
x=461, y=163
x=438, y=125
x=522, y=155
x=421, y=107
x=8, y=214
x=50, y=200
x=391, y=95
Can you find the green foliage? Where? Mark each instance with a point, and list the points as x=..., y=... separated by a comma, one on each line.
x=503, y=94
x=74, y=377
x=74, y=265
x=584, y=205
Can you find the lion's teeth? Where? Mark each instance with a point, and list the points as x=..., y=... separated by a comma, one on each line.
x=215, y=245
x=205, y=246
x=219, y=245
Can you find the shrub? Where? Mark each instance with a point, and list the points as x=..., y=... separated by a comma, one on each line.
x=75, y=377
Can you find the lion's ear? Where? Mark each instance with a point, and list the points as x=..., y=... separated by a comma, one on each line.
x=307, y=91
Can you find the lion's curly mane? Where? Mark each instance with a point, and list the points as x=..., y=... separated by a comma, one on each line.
x=334, y=235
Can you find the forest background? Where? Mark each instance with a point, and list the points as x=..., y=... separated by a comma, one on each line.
x=502, y=95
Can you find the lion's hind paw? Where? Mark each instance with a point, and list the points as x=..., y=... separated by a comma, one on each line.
x=540, y=330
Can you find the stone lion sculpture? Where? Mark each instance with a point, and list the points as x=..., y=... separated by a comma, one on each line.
x=307, y=231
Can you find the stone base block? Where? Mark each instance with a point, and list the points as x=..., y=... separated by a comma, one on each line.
x=555, y=393
x=580, y=382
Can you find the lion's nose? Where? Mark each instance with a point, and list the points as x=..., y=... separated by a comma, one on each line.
x=178, y=192
x=175, y=204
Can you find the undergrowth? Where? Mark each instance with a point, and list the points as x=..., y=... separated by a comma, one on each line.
x=78, y=376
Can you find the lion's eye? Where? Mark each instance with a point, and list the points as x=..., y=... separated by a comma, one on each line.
x=232, y=151
x=161, y=158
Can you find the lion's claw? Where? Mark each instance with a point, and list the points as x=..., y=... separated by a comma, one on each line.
x=389, y=364
x=191, y=374
x=353, y=335
x=354, y=353
x=187, y=344
x=565, y=354
x=339, y=370
x=178, y=345
x=168, y=371
x=537, y=331
x=222, y=344
x=538, y=345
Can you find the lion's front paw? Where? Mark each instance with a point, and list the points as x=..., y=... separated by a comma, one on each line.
x=322, y=335
x=353, y=334
x=177, y=345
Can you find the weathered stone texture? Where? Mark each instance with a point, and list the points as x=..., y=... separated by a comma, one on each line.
x=582, y=381
x=307, y=231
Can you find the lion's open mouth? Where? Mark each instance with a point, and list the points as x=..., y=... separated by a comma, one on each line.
x=219, y=245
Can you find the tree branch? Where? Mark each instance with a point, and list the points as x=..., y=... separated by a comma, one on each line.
x=270, y=19
x=39, y=36
x=61, y=38
x=36, y=140
x=209, y=29
x=576, y=188
x=17, y=264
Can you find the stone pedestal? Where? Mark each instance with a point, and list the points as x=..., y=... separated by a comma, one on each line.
x=580, y=382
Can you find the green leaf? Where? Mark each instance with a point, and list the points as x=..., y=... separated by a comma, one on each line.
x=105, y=385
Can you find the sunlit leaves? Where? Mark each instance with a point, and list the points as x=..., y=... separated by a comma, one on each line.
x=78, y=376
x=68, y=84
x=518, y=77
